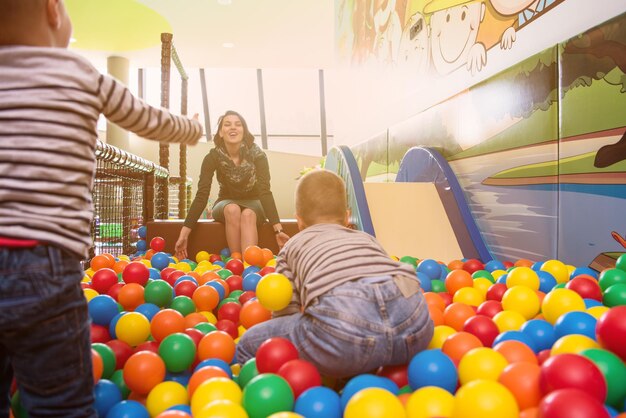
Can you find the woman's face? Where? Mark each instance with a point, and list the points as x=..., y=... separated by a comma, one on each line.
x=232, y=130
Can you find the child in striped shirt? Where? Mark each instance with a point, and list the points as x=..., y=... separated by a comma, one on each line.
x=353, y=308
x=50, y=101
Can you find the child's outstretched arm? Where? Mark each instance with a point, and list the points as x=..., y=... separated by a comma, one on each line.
x=294, y=304
x=135, y=115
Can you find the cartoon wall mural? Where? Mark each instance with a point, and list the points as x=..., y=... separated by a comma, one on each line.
x=539, y=149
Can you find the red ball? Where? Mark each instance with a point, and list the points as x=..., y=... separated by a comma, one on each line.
x=103, y=279
x=246, y=296
x=586, y=287
x=230, y=311
x=235, y=266
x=171, y=278
x=611, y=331
x=122, y=351
x=446, y=297
x=228, y=327
x=399, y=374
x=114, y=290
x=214, y=257
x=489, y=308
x=235, y=282
x=301, y=375
x=496, y=291
x=267, y=270
x=185, y=288
x=147, y=346
x=99, y=333
x=543, y=355
x=508, y=264
x=273, y=353
x=157, y=244
x=571, y=403
x=473, y=265
x=136, y=272
x=195, y=334
x=572, y=371
x=166, y=271
x=482, y=327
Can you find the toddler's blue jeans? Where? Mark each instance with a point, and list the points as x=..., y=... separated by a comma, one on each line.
x=353, y=329
x=44, y=333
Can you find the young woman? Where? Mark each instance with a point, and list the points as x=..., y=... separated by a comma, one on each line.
x=245, y=199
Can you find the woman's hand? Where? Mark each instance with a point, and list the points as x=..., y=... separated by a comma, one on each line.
x=281, y=239
x=180, y=249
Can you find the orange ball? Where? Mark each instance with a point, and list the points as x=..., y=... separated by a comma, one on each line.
x=202, y=375
x=97, y=365
x=130, y=296
x=118, y=267
x=225, y=285
x=149, y=254
x=253, y=255
x=433, y=299
x=143, y=371
x=436, y=315
x=516, y=352
x=207, y=277
x=193, y=319
x=217, y=344
x=456, y=345
x=457, y=279
x=267, y=255
x=522, y=262
x=102, y=261
x=252, y=313
x=206, y=298
x=534, y=413
x=237, y=255
x=166, y=322
x=522, y=379
x=455, y=265
x=456, y=314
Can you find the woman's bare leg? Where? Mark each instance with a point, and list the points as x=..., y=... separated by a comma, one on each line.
x=249, y=233
x=232, y=215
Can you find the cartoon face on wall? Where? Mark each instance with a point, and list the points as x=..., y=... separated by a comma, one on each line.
x=511, y=7
x=414, y=51
x=454, y=29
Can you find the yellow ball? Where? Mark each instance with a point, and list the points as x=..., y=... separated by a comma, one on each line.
x=210, y=316
x=597, y=311
x=146, y=262
x=440, y=334
x=90, y=294
x=469, y=296
x=214, y=389
x=573, y=343
x=496, y=274
x=202, y=256
x=124, y=257
x=164, y=396
x=271, y=263
x=374, y=403
x=274, y=291
x=481, y=363
x=482, y=284
x=523, y=276
x=484, y=399
x=560, y=301
x=430, y=401
x=285, y=415
x=89, y=272
x=557, y=269
x=183, y=267
x=132, y=328
x=521, y=299
x=221, y=409
x=509, y=321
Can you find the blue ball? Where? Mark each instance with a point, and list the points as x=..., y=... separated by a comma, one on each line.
x=364, y=381
x=249, y=270
x=541, y=332
x=432, y=368
x=154, y=273
x=429, y=267
x=142, y=245
x=493, y=265
x=219, y=287
x=219, y=263
x=128, y=409
x=502, y=279
x=184, y=408
x=546, y=281
x=217, y=363
x=141, y=231
x=319, y=402
x=185, y=277
x=107, y=394
x=575, y=322
x=225, y=252
x=148, y=310
x=113, y=323
x=160, y=260
x=444, y=272
x=584, y=270
x=181, y=377
x=102, y=309
x=251, y=281
x=516, y=336
x=590, y=303
x=425, y=282
x=537, y=265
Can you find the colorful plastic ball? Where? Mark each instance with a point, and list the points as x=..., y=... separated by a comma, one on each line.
x=100, y=333
x=219, y=287
x=523, y=276
x=481, y=364
x=509, y=320
x=301, y=375
x=571, y=403
x=496, y=291
x=492, y=265
x=374, y=403
x=217, y=344
x=178, y=351
x=165, y=395
x=458, y=344
x=516, y=336
x=546, y=281
x=130, y=296
x=365, y=381
x=217, y=363
x=610, y=277
x=106, y=395
x=147, y=309
x=215, y=389
x=142, y=231
x=440, y=334
x=432, y=368
x=252, y=313
x=250, y=281
x=560, y=301
x=611, y=331
x=202, y=375
x=136, y=272
x=248, y=372
x=541, y=332
x=430, y=401
x=133, y=328
x=615, y=295
x=575, y=323
x=458, y=279
x=557, y=269
x=128, y=409
x=143, y=371
x=103, y=279
x=102, y=309
x=430, y=268
x=425, y=281
x=222, y=409
x=160, y=260
x=121, y=350
x=484, y=399
x=437, y=286
x=166, y=322
x=516, y=352
x=565, y=371
x=573, y=343
x=230, y=311
x=614, y=371
x=228, y=327
x=266, y=394
x=142, y=245
x=183, y=304
x=159, y=293
x=521, y=299
x=489, y=308
x=586, y=287
x=456, y=314
x=273, y=353
x=522, y=380
x=483, y=328
x=319, y=402
x=469, y=296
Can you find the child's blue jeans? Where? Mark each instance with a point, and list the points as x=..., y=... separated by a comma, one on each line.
x=353, y=329
x=44, y=333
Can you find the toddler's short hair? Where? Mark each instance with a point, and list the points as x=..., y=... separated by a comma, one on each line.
x=321, y=197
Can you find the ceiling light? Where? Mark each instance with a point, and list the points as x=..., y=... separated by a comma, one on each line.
x=72, y=40
x=224, y=2
x=228, y=45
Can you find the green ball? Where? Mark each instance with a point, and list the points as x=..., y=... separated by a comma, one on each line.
x=235, y=294
x=614, y=371
x=484, y=274
x=610, y=277
x=559, y=286
x=192, y=264
x=621, y=262
x=224, y=273
x=183, y=304
x=267, y=394
x=615, y=295
x=248, y=372
x=405, y=389
x=438, y=286
x=409, y=260
x=159, y=292
x=226, y=300
x=118, y=378
x=205, y=327
x=108, y=359
x=178, y=352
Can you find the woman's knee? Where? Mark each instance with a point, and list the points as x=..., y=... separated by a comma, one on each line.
x=248, y=216
x=232, y=211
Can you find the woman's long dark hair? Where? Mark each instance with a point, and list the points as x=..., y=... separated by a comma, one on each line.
x=248, y=138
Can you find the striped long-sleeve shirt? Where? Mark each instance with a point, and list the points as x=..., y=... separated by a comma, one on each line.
x=50, y=101
x=323, y=256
